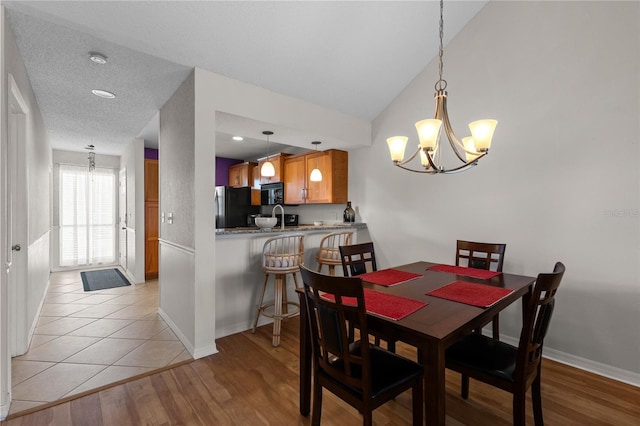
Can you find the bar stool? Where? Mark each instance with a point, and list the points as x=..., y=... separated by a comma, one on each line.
x=328, y=253
x=281, y=255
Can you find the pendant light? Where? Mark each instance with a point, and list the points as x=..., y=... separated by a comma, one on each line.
x=316, y=174
x=91, y=157
x=267, y=169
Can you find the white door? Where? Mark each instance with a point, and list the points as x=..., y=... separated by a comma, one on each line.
x=122, y=221
x=12, y=234
x=17, y=221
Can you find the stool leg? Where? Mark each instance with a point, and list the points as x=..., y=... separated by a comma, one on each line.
x=319, y=266
x=332, y=269
x=285, y=298
x=277, y=310
x=264, y=288
x=295, y=280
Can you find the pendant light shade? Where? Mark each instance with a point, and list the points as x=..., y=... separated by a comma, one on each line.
x=267, y=169
x=316, y=174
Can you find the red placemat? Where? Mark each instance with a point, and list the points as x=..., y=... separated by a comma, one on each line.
x=471, y=293
x=388, y=277
x=384, y=304
x=483, y=274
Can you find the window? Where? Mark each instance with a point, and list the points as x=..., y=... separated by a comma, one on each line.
x=87, y=216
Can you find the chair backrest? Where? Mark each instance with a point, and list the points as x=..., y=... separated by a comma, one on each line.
x=536, y=320
x=487, y=256
x=332, y=302
x=358, y=259
x=330, y=243
x=284, y=253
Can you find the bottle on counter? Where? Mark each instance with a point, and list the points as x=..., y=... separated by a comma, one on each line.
x=349, y=214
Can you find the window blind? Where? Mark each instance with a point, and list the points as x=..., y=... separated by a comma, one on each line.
x=87, y=216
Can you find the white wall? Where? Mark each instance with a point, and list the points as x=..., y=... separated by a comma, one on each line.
x=187, y=174
x=37, y=174
x=133, y=161
x=561, y=180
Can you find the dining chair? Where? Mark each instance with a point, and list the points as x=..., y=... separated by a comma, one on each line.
x=510, y=368
x=363, y=375
x=489, y=256
x=329, y=253
x=358, y=259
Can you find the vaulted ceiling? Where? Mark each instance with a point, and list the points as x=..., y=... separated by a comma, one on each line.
x=350, y=56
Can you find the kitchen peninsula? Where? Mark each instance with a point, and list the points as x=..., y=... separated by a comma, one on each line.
x=239, y=276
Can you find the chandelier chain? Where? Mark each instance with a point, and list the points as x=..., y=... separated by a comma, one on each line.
x=441, y=84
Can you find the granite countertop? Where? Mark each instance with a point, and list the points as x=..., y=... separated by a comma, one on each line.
x=298, y=228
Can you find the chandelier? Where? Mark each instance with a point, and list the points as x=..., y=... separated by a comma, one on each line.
x=430, y=133
x=91, y=157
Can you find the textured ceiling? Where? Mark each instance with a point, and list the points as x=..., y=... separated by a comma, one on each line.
x=350, y=56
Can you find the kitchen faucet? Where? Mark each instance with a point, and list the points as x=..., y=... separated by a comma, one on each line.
x=273, y=214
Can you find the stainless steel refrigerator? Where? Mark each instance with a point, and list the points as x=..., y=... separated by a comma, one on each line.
x=232, y=206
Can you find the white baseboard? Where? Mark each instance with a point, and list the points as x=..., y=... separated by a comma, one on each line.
x=195, y=352
x=4, y=410
x=618, y=374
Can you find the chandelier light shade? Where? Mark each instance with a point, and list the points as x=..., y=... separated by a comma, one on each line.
x=267, y=169
x=433, y=131
x=316, y=174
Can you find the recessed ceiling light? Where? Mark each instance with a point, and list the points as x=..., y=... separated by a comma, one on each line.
x=103, y=94
x=238, y=138
x=98, y=58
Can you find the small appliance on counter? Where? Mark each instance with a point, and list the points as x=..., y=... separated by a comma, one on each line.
x=289, y=219
x=232, y=206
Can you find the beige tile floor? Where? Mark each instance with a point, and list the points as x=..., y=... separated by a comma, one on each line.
x=85, y=340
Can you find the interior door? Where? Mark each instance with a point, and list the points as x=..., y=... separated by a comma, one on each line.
x=16, y=222
x=122, y=218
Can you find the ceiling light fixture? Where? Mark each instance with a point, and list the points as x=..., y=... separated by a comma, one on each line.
x=267, y=169
x=97, y=58
x=469, y=151
x=238, y=138
x=316, y=174
x=91, y=157
x=103, y=94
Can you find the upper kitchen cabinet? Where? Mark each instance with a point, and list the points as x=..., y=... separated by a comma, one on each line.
x=278, y=164
x=333, y=189
x=241, y=174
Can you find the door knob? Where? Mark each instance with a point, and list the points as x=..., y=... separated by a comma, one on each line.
x=16, y=247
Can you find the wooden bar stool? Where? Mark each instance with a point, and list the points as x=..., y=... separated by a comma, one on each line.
x=329, y=253
x=281, y=255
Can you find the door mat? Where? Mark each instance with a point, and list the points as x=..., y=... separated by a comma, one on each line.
x=103, y=279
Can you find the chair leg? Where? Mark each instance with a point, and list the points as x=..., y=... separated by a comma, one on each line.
x=264, y=288
x=332, y=270
x=391, y=346
x=536, y=398
x=417, y=402
x=317, y=404
x=277, y=310
x=519, y=408
x=464, y=392
x=496, y=327
x=367, y=417
x=320, y=266
x=295, y=280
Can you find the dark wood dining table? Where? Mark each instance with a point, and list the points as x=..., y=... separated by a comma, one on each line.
x=431, y=329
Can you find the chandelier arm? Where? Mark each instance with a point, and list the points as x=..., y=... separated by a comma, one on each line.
x=427, y=171
x=410, y=158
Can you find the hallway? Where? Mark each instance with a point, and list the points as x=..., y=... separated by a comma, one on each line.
x=85, y=340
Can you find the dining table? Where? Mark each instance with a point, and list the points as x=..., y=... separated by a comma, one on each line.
x=433, y=327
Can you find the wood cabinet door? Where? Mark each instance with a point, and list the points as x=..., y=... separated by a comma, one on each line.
x=319, y=192
x=151, y=181
x=151, y=239
x=294, y=180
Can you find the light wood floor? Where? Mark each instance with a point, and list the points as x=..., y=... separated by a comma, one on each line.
x=251, y=383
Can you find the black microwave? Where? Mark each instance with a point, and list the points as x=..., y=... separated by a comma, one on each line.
x=272, y=194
